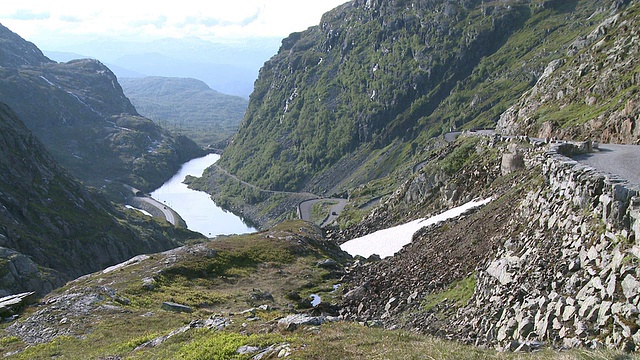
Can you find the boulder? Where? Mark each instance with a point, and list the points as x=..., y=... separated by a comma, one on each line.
x=512, y=160
x=10, y=305
x=328, y=264
x=292, y=322
x=171, y=306
x=630, y=286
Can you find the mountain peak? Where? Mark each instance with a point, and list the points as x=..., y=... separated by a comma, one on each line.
x=16, y=51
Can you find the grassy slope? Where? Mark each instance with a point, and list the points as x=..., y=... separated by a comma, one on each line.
x=218, y=278
x=276, y=149
x=330, y=110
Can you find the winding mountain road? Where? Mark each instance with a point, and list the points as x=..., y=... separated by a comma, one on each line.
x=169, y=214
x=304, y=209
x=621, y=160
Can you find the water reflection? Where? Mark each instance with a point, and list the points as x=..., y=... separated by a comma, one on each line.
x=196, y=207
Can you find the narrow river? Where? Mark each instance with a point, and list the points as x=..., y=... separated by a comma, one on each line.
x=196, y=207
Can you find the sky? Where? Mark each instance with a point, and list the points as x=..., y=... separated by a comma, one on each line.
x=47, y=22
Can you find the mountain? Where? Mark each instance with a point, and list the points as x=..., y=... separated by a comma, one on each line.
x=61, y=56
x=591, y=93
x=227, y=78
x=377, y=79
x=52, y=229
x=550, y=262
x=78, y=110
x=187, y=106
x=230, y=68
x=16, y=52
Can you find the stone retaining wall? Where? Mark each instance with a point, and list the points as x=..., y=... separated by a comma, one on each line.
x=571, y=276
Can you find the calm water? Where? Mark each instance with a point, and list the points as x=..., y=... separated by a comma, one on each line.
x=196, y=207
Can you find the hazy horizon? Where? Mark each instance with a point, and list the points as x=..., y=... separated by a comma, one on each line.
x=221, y=43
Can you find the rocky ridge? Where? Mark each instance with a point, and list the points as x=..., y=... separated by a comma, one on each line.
x=591, y=92
x=79, y=112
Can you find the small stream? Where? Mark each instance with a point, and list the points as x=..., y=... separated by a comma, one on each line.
x=196, y=207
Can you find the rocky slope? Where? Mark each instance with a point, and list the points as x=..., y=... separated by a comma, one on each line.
x=187, y=106
x=79, y=112
x=552, y=261
x=589, y=93
x=52, y=229
x=382, y=73
x=242, y=297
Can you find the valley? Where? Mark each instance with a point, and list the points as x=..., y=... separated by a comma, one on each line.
x=424, y=180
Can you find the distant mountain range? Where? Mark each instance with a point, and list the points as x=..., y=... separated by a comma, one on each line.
x=227, y=68
x=187, y=106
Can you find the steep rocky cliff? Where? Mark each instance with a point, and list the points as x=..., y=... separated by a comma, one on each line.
x=378, y=73
x=591, y=92
x=52, y=229
x=79, y=112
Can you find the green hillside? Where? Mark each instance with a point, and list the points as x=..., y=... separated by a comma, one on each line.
x=187, y=106
x=78, y=111
x=378, y=74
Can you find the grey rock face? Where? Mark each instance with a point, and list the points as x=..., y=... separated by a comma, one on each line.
x=582, y=287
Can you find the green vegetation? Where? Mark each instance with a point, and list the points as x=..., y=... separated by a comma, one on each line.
x=220, y=346
x=462, y=154
x=343, y=91
x=187, y=106
x=458, y=293
x=280, y=260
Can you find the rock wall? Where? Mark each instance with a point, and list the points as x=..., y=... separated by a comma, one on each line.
x=570, y=277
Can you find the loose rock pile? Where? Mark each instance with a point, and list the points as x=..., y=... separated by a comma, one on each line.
x=571, y=277
x=561, y=270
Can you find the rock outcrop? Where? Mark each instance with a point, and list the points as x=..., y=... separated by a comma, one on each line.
x=52, y=229
x=556, y=266
x=571, y=278
x=79, y=112
x=591, y=91
x=512, y=160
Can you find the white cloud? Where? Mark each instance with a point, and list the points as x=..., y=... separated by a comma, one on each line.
x=46, y=19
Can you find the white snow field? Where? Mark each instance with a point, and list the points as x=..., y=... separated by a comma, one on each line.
x=389, y=241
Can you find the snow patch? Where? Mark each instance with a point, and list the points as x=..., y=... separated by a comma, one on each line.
x=389, y=241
